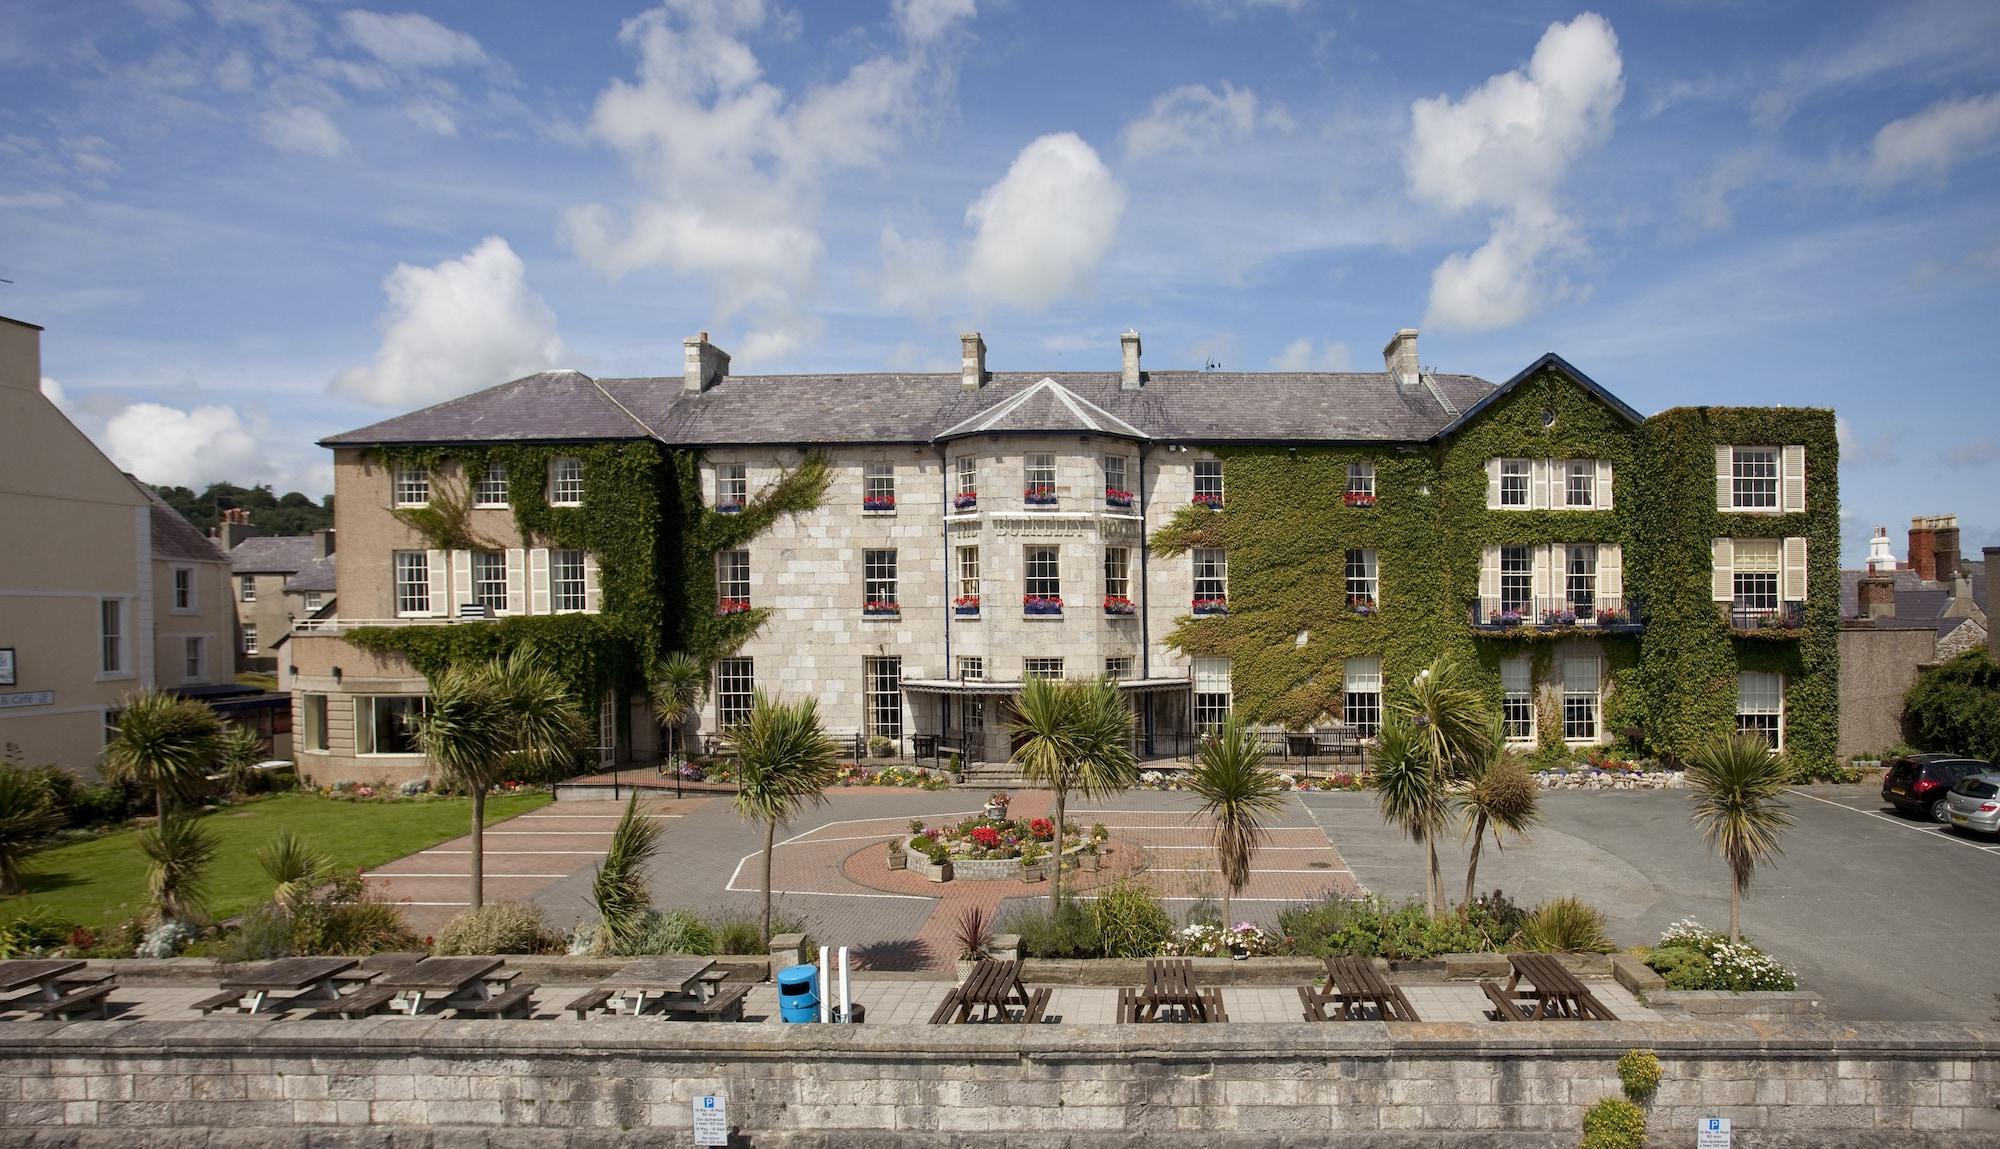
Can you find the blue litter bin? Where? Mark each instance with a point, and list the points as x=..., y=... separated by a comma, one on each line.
x=798, y=993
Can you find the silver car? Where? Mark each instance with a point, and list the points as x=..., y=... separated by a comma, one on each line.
x=1974, y=804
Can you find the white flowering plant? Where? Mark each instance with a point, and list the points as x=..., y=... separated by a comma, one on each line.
x=1692, y=956
x=1211, y=939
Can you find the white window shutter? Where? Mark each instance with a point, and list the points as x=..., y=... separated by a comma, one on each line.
x=1723, y=497
x=1610, y=571
x=434, y=570
x=1538, y=485
x=592, y=595
x=517, y=581
x=1723, y=552
x=461, y=576
x=1541, y=574
x=1492, y=484
x=1603, y=484
x=538, y=580
x=1489, y=575
x=1794, y=475
x=1794, y=576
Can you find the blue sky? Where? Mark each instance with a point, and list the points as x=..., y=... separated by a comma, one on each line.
x=250, y=223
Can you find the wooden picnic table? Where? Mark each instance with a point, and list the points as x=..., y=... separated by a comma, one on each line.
x=1170, y=985
x=38, y=972
x=993, y=988
x=310, y=979
x=1351, y=984
x=658, y=978
x=56, y=987
x=1555, y=992
x=444, y=981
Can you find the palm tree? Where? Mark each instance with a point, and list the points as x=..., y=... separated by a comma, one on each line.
x=1411, y=794
x=1736, y=782
x=1447, y=720
x=26, y=816
x=676, y=684
x=165, y=743
x=294, y=867
x=620, y=887
x=238, y=749
x=1239, y=794
x=180, y=851
x=784, y=761
x=1502, y=797
x=487, y=721
x=1075, y=735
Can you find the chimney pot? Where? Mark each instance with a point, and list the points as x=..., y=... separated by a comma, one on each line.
x=1934, y=547
x=1399, y=358
x=705, y=364
x=972, y=361
x=1877, y=595
x=1132, y=378
x=323, y=542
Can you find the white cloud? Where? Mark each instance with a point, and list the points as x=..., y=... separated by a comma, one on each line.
x=1302, y=355
x=1979, y=452
x=926, y=20
x=431, y=118
x=1935, y=138
x=1230, y=9
x=305, y=130
x=288, y=30
x=730, y=166
x=463, y=325
x=56, y=394
x=165, y=445
x=410, y=40
x=1506, y=146
x=31, y=199
x=1042, y=230
x=1191, y=118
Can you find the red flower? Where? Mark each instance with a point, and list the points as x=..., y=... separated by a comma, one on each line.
x=987, y=837
x=1043, y=829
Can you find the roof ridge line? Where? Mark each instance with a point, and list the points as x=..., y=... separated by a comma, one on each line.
x=627, y=411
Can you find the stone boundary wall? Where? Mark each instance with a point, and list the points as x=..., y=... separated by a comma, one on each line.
x=572, y=1085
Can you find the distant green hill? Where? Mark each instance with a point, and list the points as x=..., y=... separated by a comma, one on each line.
x=288, y=514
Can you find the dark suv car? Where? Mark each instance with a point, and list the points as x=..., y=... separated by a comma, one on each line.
x=1918, y=784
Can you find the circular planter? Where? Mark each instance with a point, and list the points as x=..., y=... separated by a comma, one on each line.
x=990, y=869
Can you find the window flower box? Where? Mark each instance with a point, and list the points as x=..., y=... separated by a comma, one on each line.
x=1558, y=618
x=1114, y=497
x=1360, y=498
x=729, y=606
x=1613, y=616
x=1041, y=604
x=878, y=502
x=1504, y=618
x=1209, y=499
x=965, y=500
x=966, y=604
x=881, y=609
x=1361, y=604
x=1211, y=606
x=1039, y=496
x=729, y=508
x=1118, y=604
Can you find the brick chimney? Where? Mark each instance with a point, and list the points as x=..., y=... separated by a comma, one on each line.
x=1930, y=536
x=20, y=355
x=322, y=542
x=1877, y=593
x=972, y=361
x=1399, y=358
x=706, y=364
x=1992, y=555
x=233, y=527
x=1132, y=378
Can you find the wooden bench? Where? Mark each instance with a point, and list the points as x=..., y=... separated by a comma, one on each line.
x=1351, y=983
x=360, y=1003
x=1504, y=1007
x=227, y=999
x=1128, y=1004
x=1557, y=994
x=1038, y=1004
x=946, y=1008
x=88, y=1000
x=1211, y=1005
x=587, y=1001
x=514, y=1003
x=724, y=1006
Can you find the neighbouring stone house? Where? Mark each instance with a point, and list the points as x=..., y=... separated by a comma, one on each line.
x=1295, y=545
x=1900, y=616
x=268, y=595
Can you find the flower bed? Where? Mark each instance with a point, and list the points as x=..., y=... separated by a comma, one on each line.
x=993, y=849
x=1594, y=778
x=855, y=774
x=1339, y=780
x=1208, y=939
x=1691, y=956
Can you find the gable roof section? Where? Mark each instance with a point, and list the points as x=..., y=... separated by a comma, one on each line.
x=316, y=575
x=173, y=536
x=1549, y=360
x=280, y=554
x=553, y=406
x=1047, y=406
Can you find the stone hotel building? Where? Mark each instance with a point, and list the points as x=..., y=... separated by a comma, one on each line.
x=1291, y=545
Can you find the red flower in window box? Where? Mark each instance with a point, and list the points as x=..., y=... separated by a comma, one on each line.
x=1361, y=604
x=1039, y=496
x=878, y=502
x=1041, y=603
x=1211, y=606
x=730, y=606
x=881, y=606
x=1360, y=498
x=1118, y=604
x=1209, y=499
x=1117, y=497
x=966, y=604
x=965, y=500
x=1043, y=829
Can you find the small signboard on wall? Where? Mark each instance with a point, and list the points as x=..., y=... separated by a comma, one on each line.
x=7, y=677
x=1713, y=1133
x=711, y=1119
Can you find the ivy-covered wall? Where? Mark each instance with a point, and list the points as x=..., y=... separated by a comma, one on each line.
x=1286, y=529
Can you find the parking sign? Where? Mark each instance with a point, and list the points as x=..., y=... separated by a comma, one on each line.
x=711, y=1119
x=1713, y=1133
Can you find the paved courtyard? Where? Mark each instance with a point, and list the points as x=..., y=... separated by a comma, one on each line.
x=1888, y=918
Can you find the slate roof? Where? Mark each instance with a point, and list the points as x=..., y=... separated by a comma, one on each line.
x=282, y=554
x=316, y=575
x=1918, y=602
x=1184, y=406
x=173, y=536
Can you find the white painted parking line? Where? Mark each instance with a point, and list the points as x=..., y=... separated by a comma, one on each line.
x=465, y=877
x=1260, y=849
x=546, y=833
x=1253, y=869
x=614, y=817
x=512, y=853
x=1928, y=829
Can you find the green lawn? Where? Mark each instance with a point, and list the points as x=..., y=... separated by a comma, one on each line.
x=103, y=881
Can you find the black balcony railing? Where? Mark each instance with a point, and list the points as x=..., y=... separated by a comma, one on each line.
x=1615, y=614
x=1784, y=616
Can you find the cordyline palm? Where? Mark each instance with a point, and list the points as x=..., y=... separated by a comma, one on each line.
x=1447, y=718
x=180, y=851
x=1411, y=795
x=1238, y=795
x=784, y=762
x=1736, y=782
x=238, y=749
x=165, y=743
x=26, y=816
x=676, y=685
x=1076, y=736
x=295, y=868
x=489, y=720
x=620, y=887
x=1502, y=797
